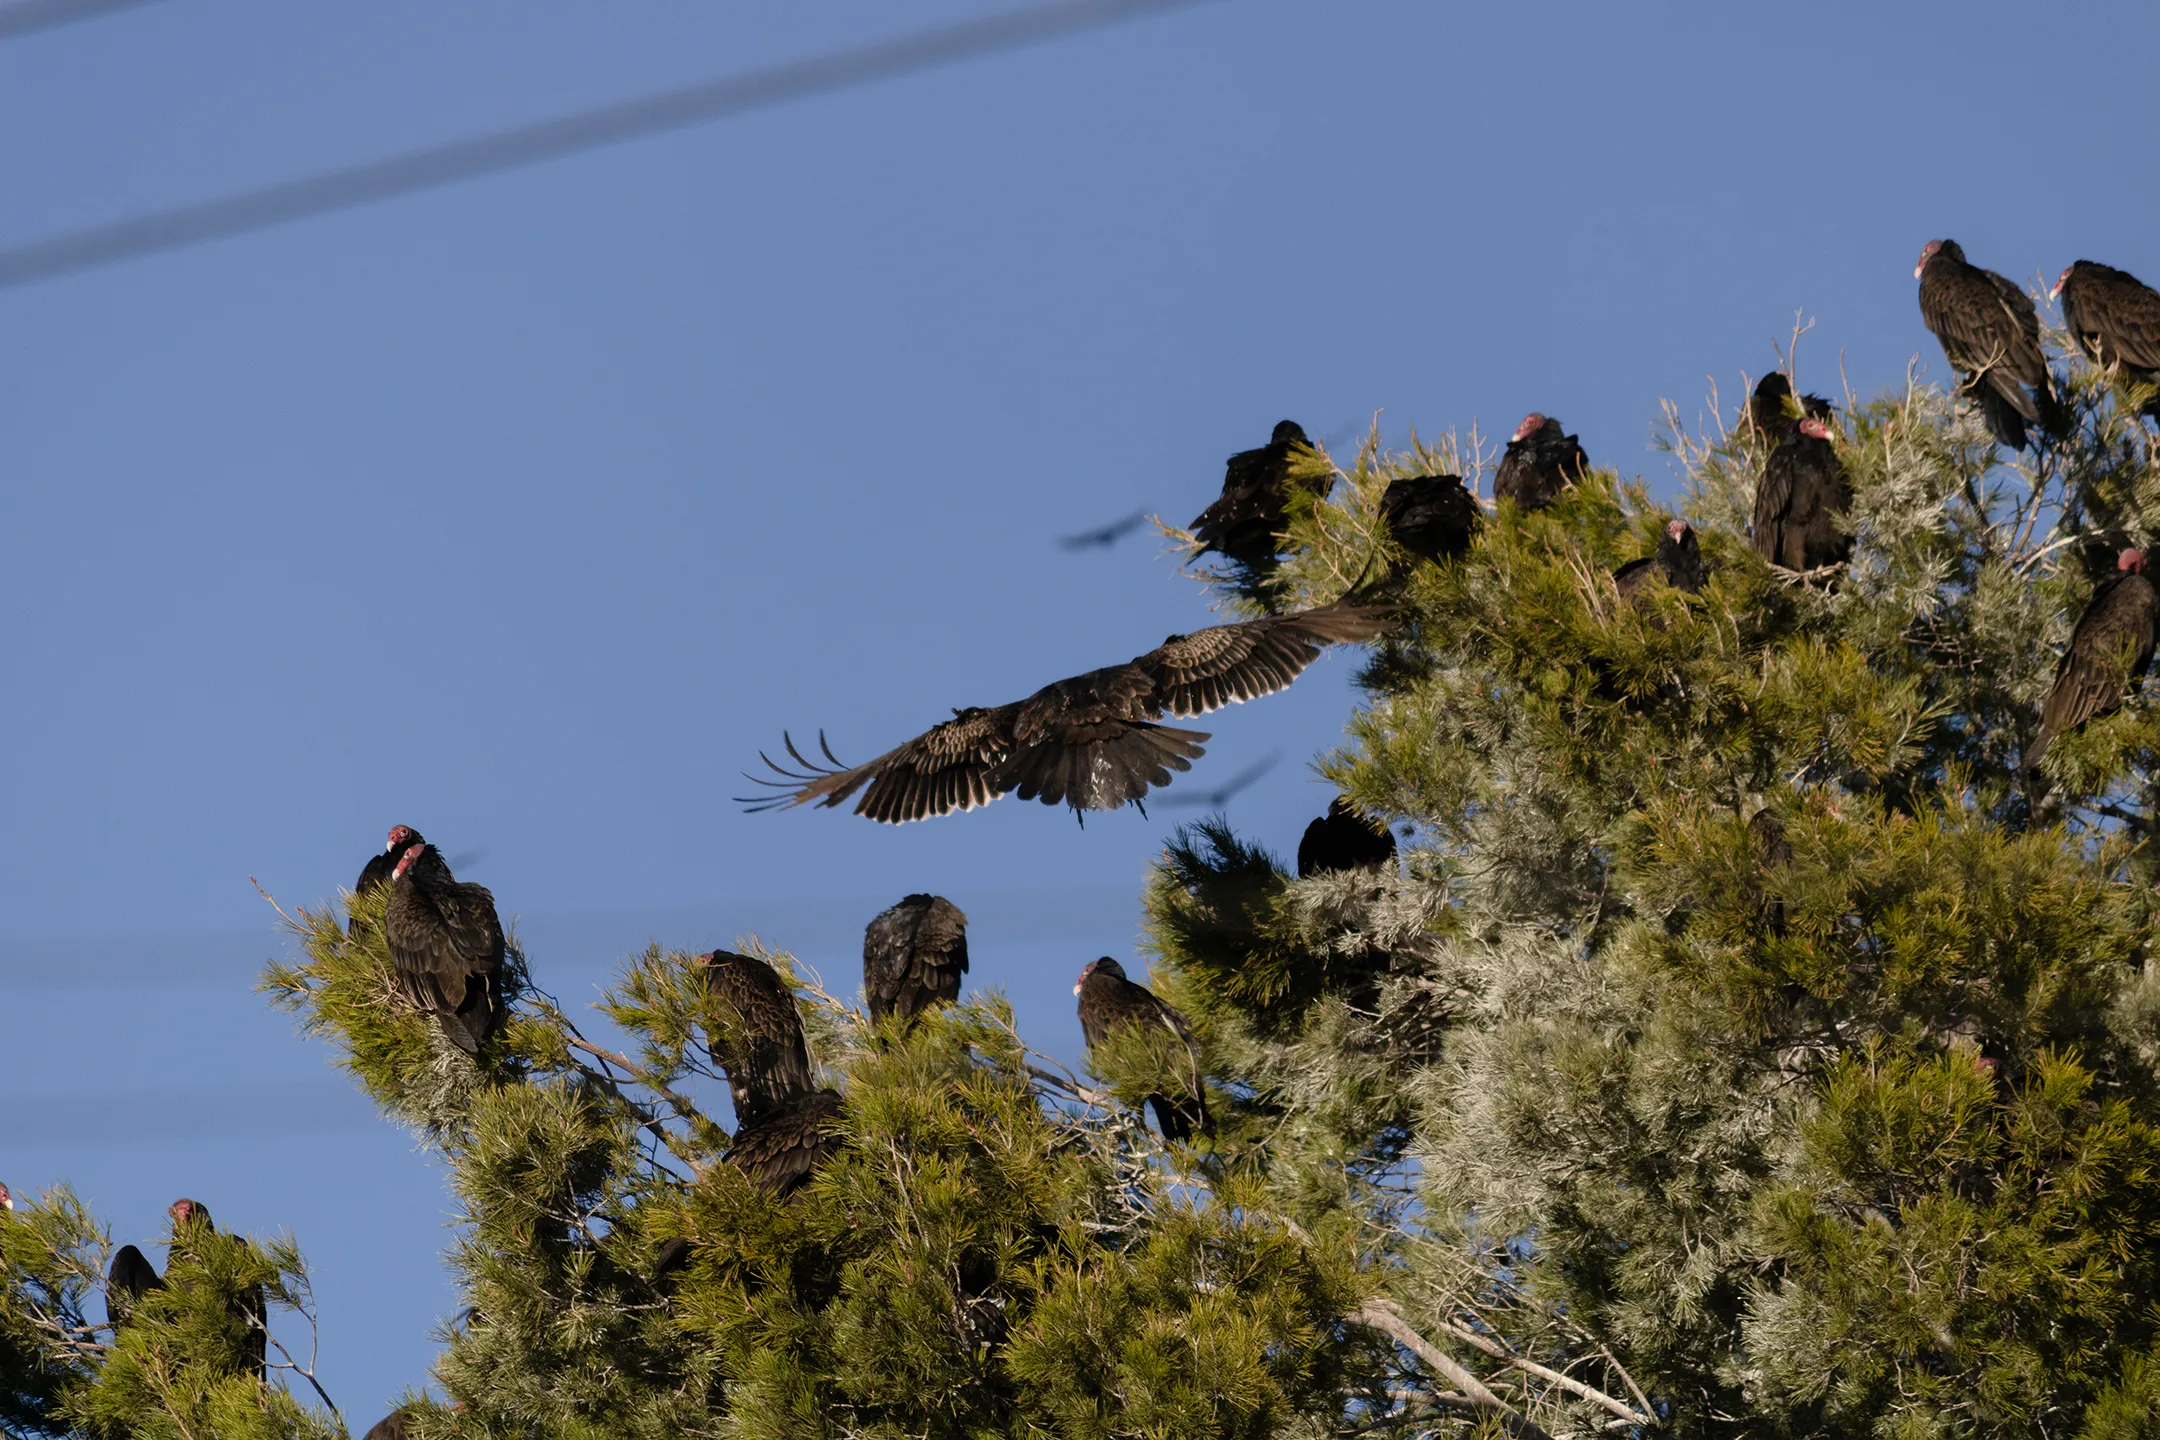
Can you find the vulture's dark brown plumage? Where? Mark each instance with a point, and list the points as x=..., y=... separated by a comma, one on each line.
x=1093, y=741
x=1246, y=522
x=780, y=1151
x=1432, y=516
x=913, y=957
x=755, y=1034
x=1774, y=412
x=1343, y=839
x=2115, y=319
x=1678, y=563
x=2109, y=652
x=380, y=866
x=132, y=1276
x=447, y=946
x=394, y=1426
x=1108, y=1003
x=1801, y=498
x=1990, y=333
x=1539, y=463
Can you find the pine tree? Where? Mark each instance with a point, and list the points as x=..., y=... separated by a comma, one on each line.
x=1743, y=1047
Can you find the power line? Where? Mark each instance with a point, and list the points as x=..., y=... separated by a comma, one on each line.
x=528, y=144
x=26, y=17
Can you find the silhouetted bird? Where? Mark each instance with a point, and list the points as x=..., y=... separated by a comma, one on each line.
x=132, y=1276
x=1343, y=839
x=913, y=956
x=1092, y=742
x=1107, y=536
x=1772, y=409
x=1224, y=793
x=1800, y=500
x=2115, y=319
x=376, y=873
x=447, y=946
x=1538, y=464
x=1432, y=516
x=1108, y=1003
x=1678, y=562
x=394, y=1426
x=781, y=1150
x=756, y=1036
x=1990, y=333
x=2109, y=652
x=1246, y=522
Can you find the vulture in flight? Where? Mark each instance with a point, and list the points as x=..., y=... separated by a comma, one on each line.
x=446, y=944
x=1990, y=333
x=1539, y=463
x=132, y=1276
x=1109, y=1002
x=1432, y=516
x=1343, y=839
x=1246, y=522
x=1801, y=497
x=1678, y=563
x=1093, y=742
x=780, y=1151
x=2109, y=652
x=758, y=1037
x=380, y=866
x=913, y=956
x=2115, y=319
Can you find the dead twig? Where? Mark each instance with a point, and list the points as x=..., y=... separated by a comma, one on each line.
x=1382, y=1315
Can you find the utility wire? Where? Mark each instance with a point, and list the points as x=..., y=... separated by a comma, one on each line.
x=27, y=17
x=546, y=139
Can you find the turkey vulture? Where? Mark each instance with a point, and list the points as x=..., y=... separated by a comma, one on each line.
x=1770, y=409
x=1990, y=333
x=132, y=1276
x=1799, y=500
x=758, y=1039
x=782, y=1148
x=381, y=866
x=1539, y=463
x=2109, y=652
x=1093, y=741
x=1678, y=563
x=394, y=1426
x=447, y=946
x=1430, y=515
x=1343, y=839
x=1246, y=522
x=913, y=956
x=2115, y=319
x=1109, y=1002
x=7, y=1198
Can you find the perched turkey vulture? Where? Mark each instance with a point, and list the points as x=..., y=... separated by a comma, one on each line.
x=1539, y=463
x=782, y=1148
x=1343, y=839
x=758, y=1039
x=1990, y=333
x=447, y=945
x=2109, y=652
x=1678, y=563
x=1801, y=497
x=1430, y=515
x=1092, y=742
x=1770, y=408
x=2115, y=319
x=394, y=1426
x=1246, y=522
x=381, y=866
x=1109, y=1002
x=132, y=1276
x=913, y=956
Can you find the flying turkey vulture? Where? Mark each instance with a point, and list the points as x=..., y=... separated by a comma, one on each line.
x=1678, y=563
x=1109, y=1002
x=1539, y=463
x=2115, y=319
x=1430, y=515
x=381, y=866
x=1800, y=498
x=1990, y=333
x=1343, y=839
x=446, y=944
x=132, y=1276
x=2109, y=652
x=913, y=956
x=758, y=1039
x=782, y=1148
x=1246, y=522
x=1091, y=742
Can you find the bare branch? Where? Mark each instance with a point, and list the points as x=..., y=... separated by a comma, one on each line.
x=1382, y=1315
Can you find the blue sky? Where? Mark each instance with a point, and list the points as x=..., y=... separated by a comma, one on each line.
x=526, y=511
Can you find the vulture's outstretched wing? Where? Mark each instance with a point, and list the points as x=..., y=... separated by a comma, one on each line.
x=1222, y=664
x=951, y=766
x=756, y=1036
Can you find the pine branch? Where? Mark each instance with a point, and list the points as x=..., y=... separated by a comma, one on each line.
x=1566, y=1382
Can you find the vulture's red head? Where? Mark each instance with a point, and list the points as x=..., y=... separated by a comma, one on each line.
x=188, y=1212
x=400, y=837
x=1815, y=429
x=1927, y=253
x=2060, y=281
x=2131, y=562
x=1106, y=965
x=7, y=1201
x=1531, y=424
x=406, y=861
x=1678, y=530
